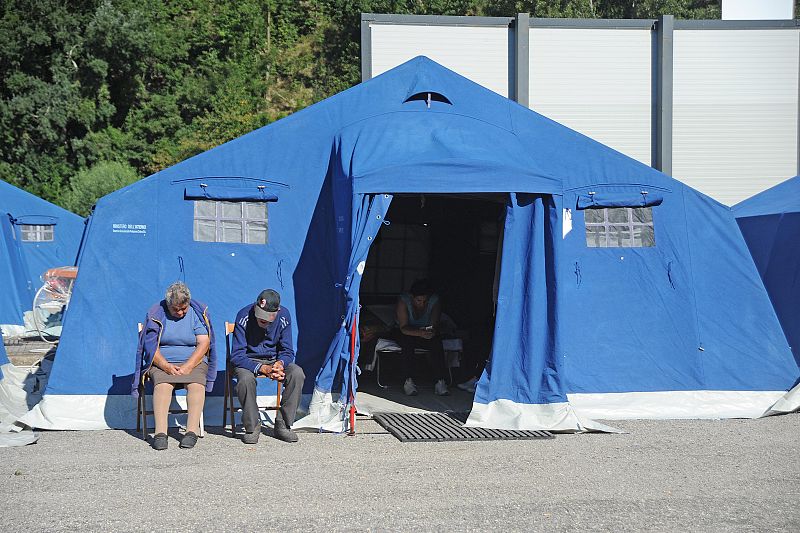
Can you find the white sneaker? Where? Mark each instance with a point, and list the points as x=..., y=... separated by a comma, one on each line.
x=409, y=387
x=468, y=385
x=440, y=389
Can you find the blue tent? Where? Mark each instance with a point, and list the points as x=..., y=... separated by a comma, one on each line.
x=770, y=223
x=35, y=235
x=660, y=314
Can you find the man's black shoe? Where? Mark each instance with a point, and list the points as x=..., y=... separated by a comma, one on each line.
x=251, y=438
x=283, y=433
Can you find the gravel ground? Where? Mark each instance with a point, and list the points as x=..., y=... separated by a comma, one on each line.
x=728, y=475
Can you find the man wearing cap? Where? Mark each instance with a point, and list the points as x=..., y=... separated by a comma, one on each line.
x=262, y=345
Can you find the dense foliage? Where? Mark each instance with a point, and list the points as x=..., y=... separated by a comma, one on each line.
x=97, y=93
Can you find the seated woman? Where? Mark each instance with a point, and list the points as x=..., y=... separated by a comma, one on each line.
x=176, y=347
x=418, y=315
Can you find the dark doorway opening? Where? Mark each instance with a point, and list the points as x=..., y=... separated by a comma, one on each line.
x=451, y=240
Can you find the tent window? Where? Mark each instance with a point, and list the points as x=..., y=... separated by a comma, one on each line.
x=37, y=232
x=619, y=227
x=221, y=221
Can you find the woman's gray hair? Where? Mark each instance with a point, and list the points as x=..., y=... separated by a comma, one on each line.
x=177, y=294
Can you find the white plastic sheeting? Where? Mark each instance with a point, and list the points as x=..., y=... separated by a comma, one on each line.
x=560, y=417
x=325, y=413
x=29, y=328
x=582, y=411
x=788, y=403
x=95, y=412
x=699, y=404
x=19, y=389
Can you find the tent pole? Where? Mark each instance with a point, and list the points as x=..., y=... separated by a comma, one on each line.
x=352, y=398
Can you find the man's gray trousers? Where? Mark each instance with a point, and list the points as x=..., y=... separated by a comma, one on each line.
x=290, y=396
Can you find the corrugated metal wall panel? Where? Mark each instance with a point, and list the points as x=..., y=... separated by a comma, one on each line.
x=735, y=110
x=476, y=52
x=596, y=81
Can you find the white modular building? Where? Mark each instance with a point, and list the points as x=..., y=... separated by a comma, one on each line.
x=713, y=103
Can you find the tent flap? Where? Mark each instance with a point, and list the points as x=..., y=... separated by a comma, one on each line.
x=616, y=199
x=35, y=220
x=233, y=194
x=526, y=323
x=368, y=212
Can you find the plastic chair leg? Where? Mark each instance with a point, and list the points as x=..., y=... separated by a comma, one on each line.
x=378, y=372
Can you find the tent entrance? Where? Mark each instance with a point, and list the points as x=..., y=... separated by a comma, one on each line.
x=453, y=240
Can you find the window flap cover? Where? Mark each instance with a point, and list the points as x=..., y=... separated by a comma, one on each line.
x=619, y=199
x=35, y=220
x=234, y=194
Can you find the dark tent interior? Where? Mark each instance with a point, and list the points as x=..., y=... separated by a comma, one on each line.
x=451, y=240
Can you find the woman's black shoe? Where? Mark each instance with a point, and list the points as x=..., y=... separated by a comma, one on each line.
x=160, y=441
x=189, y=440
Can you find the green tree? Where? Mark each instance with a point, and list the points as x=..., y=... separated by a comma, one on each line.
x=148, y=83
x=87, y=186
x=42, y=107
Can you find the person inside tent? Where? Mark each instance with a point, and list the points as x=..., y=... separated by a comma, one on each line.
x=262, y=345
x=418, y=314
x=176, y=349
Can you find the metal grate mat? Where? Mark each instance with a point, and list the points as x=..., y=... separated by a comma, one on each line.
x=439, y=427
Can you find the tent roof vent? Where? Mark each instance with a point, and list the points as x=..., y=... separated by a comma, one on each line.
x=428, y=86
x=429, y=97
